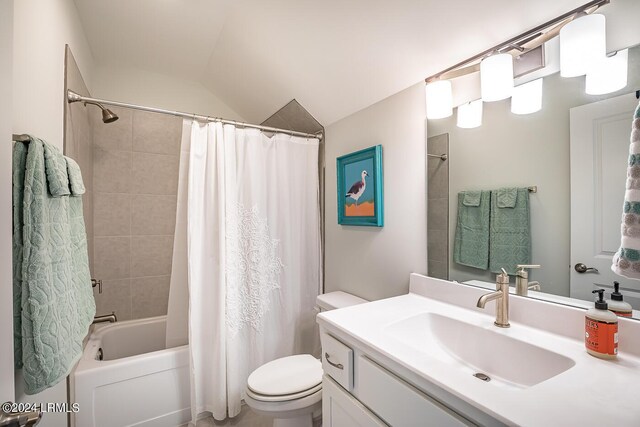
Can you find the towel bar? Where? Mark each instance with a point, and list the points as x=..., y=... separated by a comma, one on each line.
x=20, y=138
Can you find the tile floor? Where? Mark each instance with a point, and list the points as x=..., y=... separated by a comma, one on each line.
x=246, y=418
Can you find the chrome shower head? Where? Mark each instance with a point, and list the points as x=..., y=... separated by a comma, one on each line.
x=108, y=116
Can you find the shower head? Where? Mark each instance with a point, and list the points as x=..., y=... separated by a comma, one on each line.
x=108, y=116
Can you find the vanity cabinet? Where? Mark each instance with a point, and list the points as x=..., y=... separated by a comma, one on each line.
x=358, y=391
x=340, y=409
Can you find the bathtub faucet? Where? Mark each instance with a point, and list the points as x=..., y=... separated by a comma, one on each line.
x=111, y=318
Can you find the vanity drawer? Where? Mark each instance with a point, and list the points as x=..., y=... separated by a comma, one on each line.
x=337, y=361
x=398, y=403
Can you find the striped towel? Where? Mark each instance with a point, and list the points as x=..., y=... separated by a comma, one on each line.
x=626, y=262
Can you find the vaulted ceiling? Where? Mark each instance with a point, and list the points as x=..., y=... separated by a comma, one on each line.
x=334, y=56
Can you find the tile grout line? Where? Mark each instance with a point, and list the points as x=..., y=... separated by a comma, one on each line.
x=130, y=227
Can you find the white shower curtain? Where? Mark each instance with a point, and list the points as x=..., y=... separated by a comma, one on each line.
x=247, y=245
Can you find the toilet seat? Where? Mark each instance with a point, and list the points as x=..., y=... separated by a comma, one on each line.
x=283, y=397
x=287, y=378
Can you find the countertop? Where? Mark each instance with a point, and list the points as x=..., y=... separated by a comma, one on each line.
x=592, y=392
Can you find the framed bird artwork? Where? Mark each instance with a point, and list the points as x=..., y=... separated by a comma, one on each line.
x=360, y=188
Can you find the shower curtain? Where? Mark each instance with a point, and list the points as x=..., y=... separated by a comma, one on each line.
x=247, y=259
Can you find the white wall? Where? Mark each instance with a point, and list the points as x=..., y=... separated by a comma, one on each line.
x=41, y=30
x=6, y=288
x=373, y=262
x=130, y=85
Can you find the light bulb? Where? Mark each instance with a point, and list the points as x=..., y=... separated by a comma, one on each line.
x=582, y=44
x=527, y=98
x=470, y=114
x=608, y=75
x=496, y=77
x=439, y=99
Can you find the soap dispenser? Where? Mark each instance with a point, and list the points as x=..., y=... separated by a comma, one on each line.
x=601, y=329
x=616, y=303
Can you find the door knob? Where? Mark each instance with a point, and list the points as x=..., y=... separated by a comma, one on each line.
x=9, y=418
x=581, y=268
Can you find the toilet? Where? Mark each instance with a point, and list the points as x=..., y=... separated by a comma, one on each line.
x=289, y=389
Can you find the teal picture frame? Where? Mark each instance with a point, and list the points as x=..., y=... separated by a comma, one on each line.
x=361, y=188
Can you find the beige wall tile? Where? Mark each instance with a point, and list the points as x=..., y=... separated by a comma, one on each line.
x=112, y=257
x=116, y=135
x=112, y=214
x=438, y=245
x=438, y=214
x=151, y=255
x=87, y=206
x=153, y=215
x=155, y=173
x=150, y=296
x=156, y=133
x=115, y=297
x=111, y=171
x=438, y=270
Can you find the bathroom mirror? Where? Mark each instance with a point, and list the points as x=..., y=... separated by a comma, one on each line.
x=569, y=212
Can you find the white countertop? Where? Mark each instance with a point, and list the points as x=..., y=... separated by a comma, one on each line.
x=592, y=392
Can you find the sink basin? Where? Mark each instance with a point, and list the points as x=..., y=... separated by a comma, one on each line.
x=479, y=350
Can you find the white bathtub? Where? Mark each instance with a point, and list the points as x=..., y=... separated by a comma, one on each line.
x=139, y=382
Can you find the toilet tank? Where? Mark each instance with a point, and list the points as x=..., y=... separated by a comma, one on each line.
x=337, y=299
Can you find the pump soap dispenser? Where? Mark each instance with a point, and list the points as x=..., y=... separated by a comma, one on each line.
x=616, y=303
x=601, y=329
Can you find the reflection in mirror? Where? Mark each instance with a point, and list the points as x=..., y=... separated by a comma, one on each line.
x=574, y=150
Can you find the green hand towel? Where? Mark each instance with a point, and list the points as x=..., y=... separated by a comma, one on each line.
x=471, y=244
x=472, y=198
x=75, y=177
x=507, y=197
x=53, y=299
x=510, y=230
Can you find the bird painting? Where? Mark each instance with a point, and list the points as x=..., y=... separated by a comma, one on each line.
x=358, y=187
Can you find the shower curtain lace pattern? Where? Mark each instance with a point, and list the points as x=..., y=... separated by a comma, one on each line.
x=253, y=268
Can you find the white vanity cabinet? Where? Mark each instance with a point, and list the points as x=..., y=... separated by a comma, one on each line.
x=339, y=408
x=357, y=391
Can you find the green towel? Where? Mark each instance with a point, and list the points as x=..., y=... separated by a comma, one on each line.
x=472, y=198
x=510, y=231
x=53, y=299
x=471, y=244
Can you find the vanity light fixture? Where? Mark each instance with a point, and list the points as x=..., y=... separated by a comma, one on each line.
x=527, y=98
x=470, y=114
x=527, y=45
x=496, y=77
x=439, y=99
x=582, y=44
x=609, y=74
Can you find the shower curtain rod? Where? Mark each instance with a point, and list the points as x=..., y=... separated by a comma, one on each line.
x=75, y=97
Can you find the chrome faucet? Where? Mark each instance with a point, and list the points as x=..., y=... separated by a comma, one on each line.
x=522, y=280
x=501, y=296
x=111, y=318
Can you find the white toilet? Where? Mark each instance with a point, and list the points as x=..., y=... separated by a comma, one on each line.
x=289, y=389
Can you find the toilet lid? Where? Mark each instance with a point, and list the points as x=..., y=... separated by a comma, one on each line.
x=287, y=375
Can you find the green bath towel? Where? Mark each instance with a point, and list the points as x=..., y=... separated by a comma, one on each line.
x=53, y=299
x=510, y=239
x=471, y=244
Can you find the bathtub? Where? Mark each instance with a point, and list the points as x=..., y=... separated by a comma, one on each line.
x=138, y=382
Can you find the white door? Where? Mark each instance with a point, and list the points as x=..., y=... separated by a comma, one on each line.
x=599, y=144
x=6, y=287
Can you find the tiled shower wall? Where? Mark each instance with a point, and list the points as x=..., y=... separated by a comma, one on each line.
x=78, y=143
x=135, y=178
x=438, y=207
